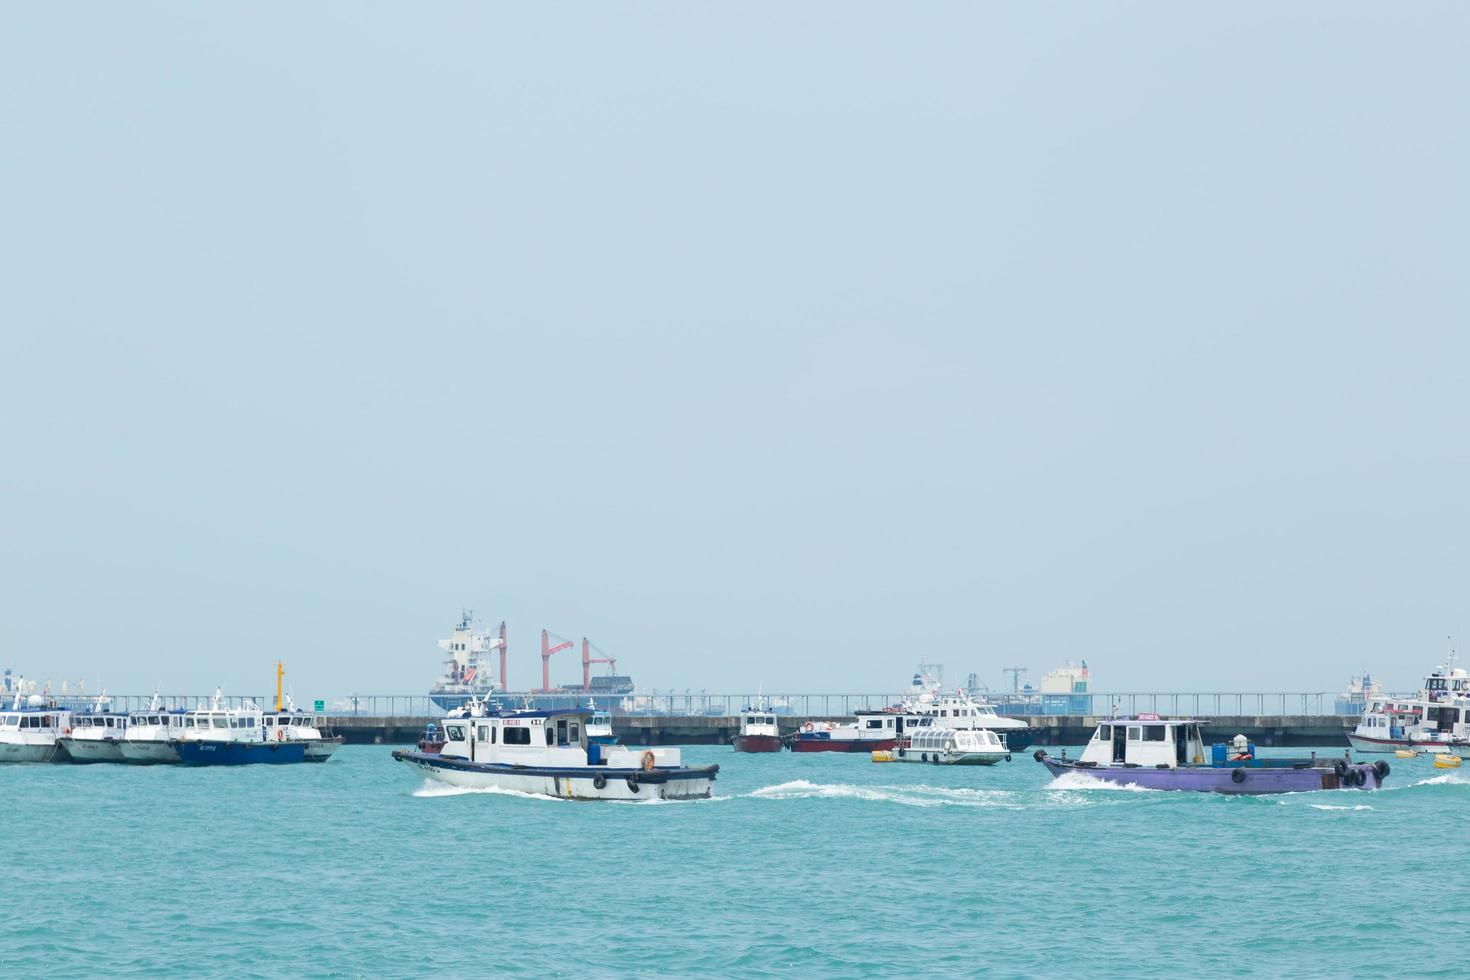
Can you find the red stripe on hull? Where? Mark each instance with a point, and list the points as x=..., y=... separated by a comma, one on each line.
x=757, y=743
x=842, y=744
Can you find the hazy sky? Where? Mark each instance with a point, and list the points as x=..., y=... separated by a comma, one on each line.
x=765, y=344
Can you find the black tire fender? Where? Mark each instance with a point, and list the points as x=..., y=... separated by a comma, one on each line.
x=1381, y=770
x=599, y=781
x=1340, y=767
x=1237, y=775
x=632, y=782
x=1039, y=754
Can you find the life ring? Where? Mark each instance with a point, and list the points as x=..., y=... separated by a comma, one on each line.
x=1008, y=757
x=632, y=782
x=280, y=734
x=809, y=727
x=599, y=782
x=66, y=731
x=648, y=761
x=1237, y=775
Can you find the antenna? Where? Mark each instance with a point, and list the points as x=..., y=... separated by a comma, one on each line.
x=1015, y=673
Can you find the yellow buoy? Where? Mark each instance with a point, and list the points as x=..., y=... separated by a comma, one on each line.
x=1405, y=753
x=1446, y=762
x=882, y=755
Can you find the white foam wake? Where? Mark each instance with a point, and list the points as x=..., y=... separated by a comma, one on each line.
x=1076, y=780
x=918, y=795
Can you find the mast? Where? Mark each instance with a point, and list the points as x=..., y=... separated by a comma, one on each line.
x=280, y=673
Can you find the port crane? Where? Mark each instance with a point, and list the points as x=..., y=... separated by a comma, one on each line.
x=546, y=651
x=588, y=660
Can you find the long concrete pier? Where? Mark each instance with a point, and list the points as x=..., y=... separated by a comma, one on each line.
x=1268, y=730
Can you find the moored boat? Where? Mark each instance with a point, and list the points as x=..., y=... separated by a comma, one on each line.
x=30, y=728
x=958, y=709
x=95, y=735
x=758, y=731
x=1437, y=719
x=869, y=731
x=149, y=737
x=547, y=753
x=1168, y=753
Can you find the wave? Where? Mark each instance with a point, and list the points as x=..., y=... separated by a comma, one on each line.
x=431, y=790
x=1329, y=806
x=917, y=795
x=1076, y=780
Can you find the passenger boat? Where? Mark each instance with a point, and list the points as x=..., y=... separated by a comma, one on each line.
x=29, y=730
x=952, y=747
x=1168, y=753
x=758, y=732
x=96, y=735
x=960, y=710
x=869, y=731
x=547, y=753
x=150, y=735
x=599, y=728
x=219, y=736
x=1436, y=719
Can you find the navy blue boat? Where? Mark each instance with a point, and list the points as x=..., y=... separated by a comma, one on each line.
x=240, y=753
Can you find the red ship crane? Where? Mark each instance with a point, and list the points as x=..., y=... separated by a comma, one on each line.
x=588, y=660
x=503, y=685
x=546, y=651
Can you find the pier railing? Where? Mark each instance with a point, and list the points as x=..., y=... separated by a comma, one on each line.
x=690, y=704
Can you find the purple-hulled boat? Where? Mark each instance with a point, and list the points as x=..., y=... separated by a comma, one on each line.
x=1168, y=753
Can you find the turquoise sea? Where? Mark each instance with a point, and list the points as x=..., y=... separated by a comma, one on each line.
x=801, y=865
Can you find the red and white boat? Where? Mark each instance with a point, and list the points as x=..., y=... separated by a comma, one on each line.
x=758, y=732
x=869, y=731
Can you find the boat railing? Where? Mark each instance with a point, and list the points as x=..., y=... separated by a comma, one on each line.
x=830, y=705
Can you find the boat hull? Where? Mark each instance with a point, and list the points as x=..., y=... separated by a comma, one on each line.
x=85, y=750
x=141, y=753
x=1207, y=779
x=30, y=752
x=320, y=750
x=1364, y=743
x=806, y=744
x=757, y=743
x=1017, y=739
x=240, y=753
x=566, y=783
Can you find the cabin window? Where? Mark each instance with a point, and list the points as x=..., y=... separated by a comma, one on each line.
x=574, y=732
x=455, y=732
x=550, y=735
x=1135, y=733
x=1154, y=733
x=484, y=733
x=875, y=722
x=561, y=732
x=1104, y=733
x=517, y=736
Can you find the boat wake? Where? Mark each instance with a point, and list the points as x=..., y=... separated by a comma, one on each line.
x=918, y=795
x=1329, y=806
x=1076, y=780
x=431, y=789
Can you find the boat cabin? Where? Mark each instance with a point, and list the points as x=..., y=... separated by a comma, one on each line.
x=555, y=738
x=98, y=725
x=754, y=722
x=1146, y=741
x=35, y=721
x=292, y=725
x=155, y=724
x=942, y=740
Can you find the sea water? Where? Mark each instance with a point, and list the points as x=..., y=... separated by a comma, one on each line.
x=813, y=864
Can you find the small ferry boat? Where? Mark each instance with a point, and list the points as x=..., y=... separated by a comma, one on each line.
x=219, y=736
x=952, y=747
x=1436, y=719
x=29, y=730
x=758, y=731
x=1168, y=753
x=548, y=753
x=96, y=735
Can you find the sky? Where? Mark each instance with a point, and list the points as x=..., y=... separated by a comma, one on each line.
x=768, y=345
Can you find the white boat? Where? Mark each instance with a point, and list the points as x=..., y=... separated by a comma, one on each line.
x=960, y=710
x=96, y=735
x=30, y=728
x=548, y=753
x=1437, y=719
x=294, y=725
x=952, y=747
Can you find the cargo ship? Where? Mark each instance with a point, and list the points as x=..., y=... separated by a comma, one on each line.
x=469, y=673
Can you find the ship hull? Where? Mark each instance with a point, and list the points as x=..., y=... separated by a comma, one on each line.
x=805, y=744
x=566, y=783
x=1207, y=779
x=141, y=753
x=85, y=750
x=1363, y=743
x=30, y=752
x=320, y=750
x=951, y=758
x=240, y=753
x=757, y=743
x=1017, y=740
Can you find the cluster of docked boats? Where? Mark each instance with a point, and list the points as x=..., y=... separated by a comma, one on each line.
x=1435, y=720
x=36, y=729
